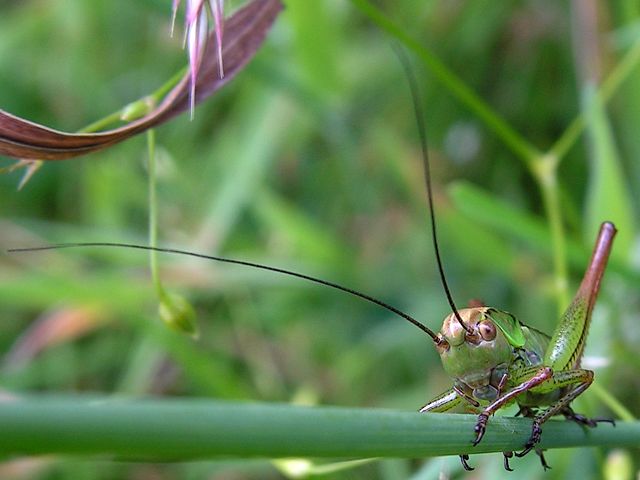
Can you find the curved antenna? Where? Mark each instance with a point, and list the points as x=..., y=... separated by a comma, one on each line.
x=438, y=340
x=417, y=108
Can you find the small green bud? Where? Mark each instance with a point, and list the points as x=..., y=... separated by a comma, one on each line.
x=137, y=109
x=177, y=313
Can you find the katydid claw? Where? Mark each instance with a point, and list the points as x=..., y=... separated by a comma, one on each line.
x=527, y=448
x=507, y=456
x=586, y=421
x=543, y=461
x=534, y=439
x=480, y=428
x=463, y=459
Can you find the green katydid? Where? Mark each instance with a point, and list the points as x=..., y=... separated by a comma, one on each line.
x=493, y=359
x=496, y=360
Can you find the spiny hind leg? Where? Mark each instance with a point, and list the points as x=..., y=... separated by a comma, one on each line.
x=578, y=377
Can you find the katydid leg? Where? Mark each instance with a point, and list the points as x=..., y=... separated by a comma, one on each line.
x=569, y=414
x=567, y=343
x=443, y=402
x=541, y=375
x=507, y=456
x=464, y=459
x=583, y=378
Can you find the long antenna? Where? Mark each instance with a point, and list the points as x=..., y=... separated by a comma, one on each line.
x=438, y=340
x=417, y=108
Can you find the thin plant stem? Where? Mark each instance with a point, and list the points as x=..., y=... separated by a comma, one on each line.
x=103, y=123
x=612, y=402
x=153, y=98
x=165, y=88
x=617, y=76
x=153, y=213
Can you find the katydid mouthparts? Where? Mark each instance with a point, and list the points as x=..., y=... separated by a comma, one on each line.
x=493, y=359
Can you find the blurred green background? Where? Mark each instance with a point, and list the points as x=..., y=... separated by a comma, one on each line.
x=309, y=160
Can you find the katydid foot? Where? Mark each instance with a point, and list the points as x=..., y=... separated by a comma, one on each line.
x=543, y=461
x=464, y=459
x=534, y=439
x=481, y=427
x=507, y=456
x=536, y=432
x=569, y=414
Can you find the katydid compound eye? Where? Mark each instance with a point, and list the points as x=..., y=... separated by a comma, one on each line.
x=487, y=330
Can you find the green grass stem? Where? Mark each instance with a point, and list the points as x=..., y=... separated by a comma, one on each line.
x=181, y=429
x=458, y=88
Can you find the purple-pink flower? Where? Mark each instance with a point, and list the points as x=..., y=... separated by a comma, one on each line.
x=197, y=16
x=245, y=32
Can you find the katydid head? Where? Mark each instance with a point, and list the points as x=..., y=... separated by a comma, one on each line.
x=478, y=356
x=481, y=324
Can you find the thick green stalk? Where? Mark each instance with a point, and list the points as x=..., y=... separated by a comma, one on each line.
x=181, y=429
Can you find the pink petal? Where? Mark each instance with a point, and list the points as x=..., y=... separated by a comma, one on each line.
x=194, y=7
x=217, y=7
x=197, y=37
x=174, y=11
